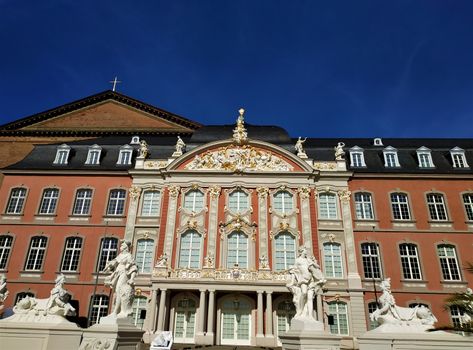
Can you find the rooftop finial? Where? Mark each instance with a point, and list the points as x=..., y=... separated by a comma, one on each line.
x=114, y=83
x=239, y=133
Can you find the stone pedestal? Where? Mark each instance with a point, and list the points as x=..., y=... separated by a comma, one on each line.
x=308, y=334
x=112, y=334
x=414, y=341
x=53, y=333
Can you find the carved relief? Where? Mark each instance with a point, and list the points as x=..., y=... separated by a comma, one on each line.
x=134, y=192
x=155, y=164
x=344, y=195
x=304, y=192
x=325, y=166
x=214, y=191
x=174, y=191
x=262, y=192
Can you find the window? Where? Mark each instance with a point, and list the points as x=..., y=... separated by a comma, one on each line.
x=237, y=250
x=340, y=317
x=378, y=141
x=436, y=205
x=238, y=201
x=98, y=308
x=194, y=200
x=116, y=202
x=144, y=255
x=410, y=261
x=135, y=140
x=390, y=157
x=151, y=203
x=285, y=250
x=327, y=206
x=22, y=295
x=285, y=312
x=400, y=206
x=236, y=322
x=357, y=158
x=36, y=253
x=139, y=305
x=49, y=201
x=424, y=157
x=189, y=255
x=448, y=262
x=124, y=157
x=372, y=306
x=458, y=158
x=70, y=260
x=82, y=202
x=457, y=314
x=184, y=329
x=108, y=251
x=363, y=206
x=62, y=154
x=16, y=200
x=93, y=156
x=283, y=202
x=6, y=243
x=371, y=260
x=468, y=202
x=333, y=260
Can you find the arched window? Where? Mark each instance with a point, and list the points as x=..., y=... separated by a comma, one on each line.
x=400, y=206
x=194, y=200
x=108, y=251
x=372, y=306
x=285, y=312
x=410, y=261
x=339, y=311
x=285, y=250
x=144, y=255
x=36, y=253
x=98, y=308
x=327, y=206
x=237, y=250
x=6, y=243
x=333, y=260
x=16, y=200
x=448, y=262
x=363, y=206
x=236, y=322
x=189, y=255
x=116, y=202
x=82, y=202
x=371, y=260
x=238, y=201
x=184, y=323
x=49, y=201
x=71, y=257
x=283, y=202
x=151, y=203
x=139, y=305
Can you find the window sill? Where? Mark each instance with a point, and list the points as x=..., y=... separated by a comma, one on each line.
x=80, y=216
x=454, y=284
x=440, y=222
x=414, y=283
x=31, y=274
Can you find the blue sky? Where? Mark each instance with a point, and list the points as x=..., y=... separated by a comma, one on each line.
x=317, y=68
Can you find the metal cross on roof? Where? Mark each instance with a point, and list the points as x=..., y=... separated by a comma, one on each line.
x=114, y=82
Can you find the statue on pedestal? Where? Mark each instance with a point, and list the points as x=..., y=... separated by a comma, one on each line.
x=339, y=152
x=180, y=147
x=121, y=280
x=299, y=147
x=144, y=150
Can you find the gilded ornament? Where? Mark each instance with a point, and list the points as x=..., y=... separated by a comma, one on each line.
x=134, y=192
x=344, y=195
x=174, y=191
x=214, y=191
x=304, y=192
x=262, y=192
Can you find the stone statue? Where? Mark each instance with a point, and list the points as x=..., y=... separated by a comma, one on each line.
x=300, y=148
x=209, y=261
x=263, y=262
x=121, y=280
x=3, y=292
x=180, y=147
x=163, y=341
x=306, y=280
x=339, y=152
x=143, y=149
x=162, y=261
x=468, y=315
x=393, y=318
x=240, y=134
x=58, y=298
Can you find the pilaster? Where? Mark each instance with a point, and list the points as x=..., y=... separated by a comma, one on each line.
x=263, y=221
x=134, y=194
x=171, y=219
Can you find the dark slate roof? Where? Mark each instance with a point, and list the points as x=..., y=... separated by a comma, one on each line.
x=268, y=133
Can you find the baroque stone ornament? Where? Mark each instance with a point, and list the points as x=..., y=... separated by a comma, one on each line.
x=134, y=192
x=299, y=147
x=240, y=135
x=214, y=191
x=304, y=192
x=239, y=159
x=162, y=261
x=180, y=147
x=96, y=344
x=144, y=150
x=3, y=292
x=344, y=195
x=209, y=261
x=324, y=166
x=262, y=192
x=339, y=152
x=155, y=164
x=174, y=191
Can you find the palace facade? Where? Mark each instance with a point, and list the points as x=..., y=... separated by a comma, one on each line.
x=216, y=220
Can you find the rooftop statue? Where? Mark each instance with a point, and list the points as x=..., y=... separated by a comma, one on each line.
x=180, y=147
x=144, y=150
x=239, y=133
x=299, y=147
x=339, y=152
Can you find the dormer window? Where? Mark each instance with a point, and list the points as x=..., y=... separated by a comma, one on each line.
x=93, y=157
x=424, y=157
x=390, y=157
x=135, y=140
x=124, y=157
x=357, y=158
x=62, y=154
x=378, y=141
x=458, y=158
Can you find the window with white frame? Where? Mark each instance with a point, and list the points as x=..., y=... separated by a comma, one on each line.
x=333, y=260
x=328, y=206
x=144, y=255
x=372, y=306
x=339, y=311
x=36, y=253
x=285, y=312
x=151, y=203
x=116, y=202
x=93, y=155
x=448, y=262
x=436, y=205
x=82, y=202
x=6, y=243
x=357, y=158
x=363, y=206
x=285, y=250
x=283, y=202
x=238, y=201
x=400, y=206
x=98, y=308
x=140, y=304
x=458, y=158
x=184, y=322
x=457, y=314
x=71, y=257
x=108, y=251
x=371, y=260
x=237, y=250
x=62, y=154
x=424, y=157
x=49, y=201
x=236, y=322
x=468, y=203
x=410, y=261
x=16, y=200
x=189, y=254
x=391, y=159
x=124, y=157
x=194, y=200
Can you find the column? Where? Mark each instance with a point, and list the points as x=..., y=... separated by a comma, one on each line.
x=150, y=321
x=320, y=307
x=269, y=315
x=211, y=313
x=200, y=324
x=171, y=220
x=259, y=328
x=162, y=306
